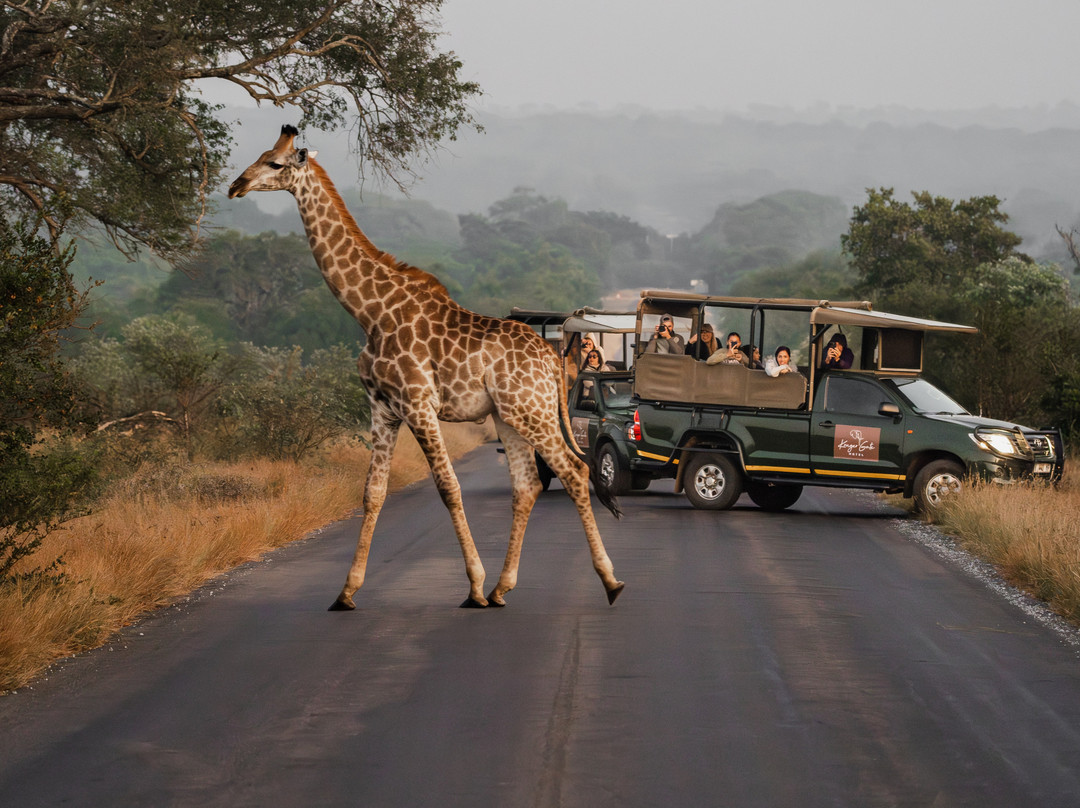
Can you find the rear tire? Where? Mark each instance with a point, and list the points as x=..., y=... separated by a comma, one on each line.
x=935, y=482
x=712, y=482
x=774, y=496
x=609, y=471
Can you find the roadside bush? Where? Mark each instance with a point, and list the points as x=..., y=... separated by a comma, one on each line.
x=40, y=490
x=163, y=372
x=282, y=408
x=41, y=481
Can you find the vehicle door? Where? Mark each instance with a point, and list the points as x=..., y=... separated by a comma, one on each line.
x=586, y=405
x=856, y=431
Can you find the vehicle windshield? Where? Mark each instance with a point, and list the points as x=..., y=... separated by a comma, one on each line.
x=924, y=397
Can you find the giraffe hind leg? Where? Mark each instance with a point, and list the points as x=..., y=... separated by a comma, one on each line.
x=546, y=437
x=526, y=488
x=573, y=473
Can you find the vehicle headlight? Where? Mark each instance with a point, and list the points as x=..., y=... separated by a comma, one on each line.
x=997, y=442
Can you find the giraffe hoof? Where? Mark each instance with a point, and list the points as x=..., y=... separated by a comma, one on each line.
x=343, y=604
x=471, y=603
x=495, y=599
x=615, y=591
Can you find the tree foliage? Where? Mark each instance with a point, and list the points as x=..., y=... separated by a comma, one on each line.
x=1019, y=309
x=283, y=408
x=903, y=251
x=167, y=364
x=101, y=101
x=38, y=484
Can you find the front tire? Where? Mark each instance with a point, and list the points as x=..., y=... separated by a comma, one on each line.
x=712, y=482
x=774, y=496
x=609, y=471
x=935, y=482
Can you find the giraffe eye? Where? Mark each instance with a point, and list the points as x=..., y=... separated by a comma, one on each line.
x=276, y=166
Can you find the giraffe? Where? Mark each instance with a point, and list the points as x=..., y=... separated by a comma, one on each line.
x=428, y=359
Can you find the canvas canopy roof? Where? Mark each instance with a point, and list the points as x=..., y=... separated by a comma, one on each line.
x=878, y=319
x=601, y=323
x=681, y=304
x=822, y=312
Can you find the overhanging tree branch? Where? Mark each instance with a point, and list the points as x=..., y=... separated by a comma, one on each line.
x=102, y=98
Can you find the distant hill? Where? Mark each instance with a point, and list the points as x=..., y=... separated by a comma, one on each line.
x=672, y=171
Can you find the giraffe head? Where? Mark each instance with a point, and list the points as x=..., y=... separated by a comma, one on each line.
x=275, y=170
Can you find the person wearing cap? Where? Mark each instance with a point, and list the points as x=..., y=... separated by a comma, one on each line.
x=665, y=340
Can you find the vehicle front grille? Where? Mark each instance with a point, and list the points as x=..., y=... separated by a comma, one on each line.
x=1041, y=446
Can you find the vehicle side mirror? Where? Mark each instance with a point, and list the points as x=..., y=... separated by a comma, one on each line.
x=889, y=409
x=587, y=404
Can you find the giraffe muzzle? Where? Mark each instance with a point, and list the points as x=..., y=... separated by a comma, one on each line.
x=238, y=188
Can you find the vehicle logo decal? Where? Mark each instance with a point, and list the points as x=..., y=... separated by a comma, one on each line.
x=856, y=443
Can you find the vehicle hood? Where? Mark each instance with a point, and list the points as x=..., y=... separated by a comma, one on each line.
x=973, y=421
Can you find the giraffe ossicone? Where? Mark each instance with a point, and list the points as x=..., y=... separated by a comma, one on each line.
x=426, y=360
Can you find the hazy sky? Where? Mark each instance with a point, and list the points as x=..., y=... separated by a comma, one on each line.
x=686, y=54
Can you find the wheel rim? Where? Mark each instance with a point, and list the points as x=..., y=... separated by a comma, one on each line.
x=941, y=486
x=607, y=469
x=709, y=481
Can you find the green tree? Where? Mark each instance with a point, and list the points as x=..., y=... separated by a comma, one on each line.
x=39, y=482
x=101, y=103
x=912, y=255
x=253, y=277
x=282, y=408
x=187, y=364
x=1019, y=309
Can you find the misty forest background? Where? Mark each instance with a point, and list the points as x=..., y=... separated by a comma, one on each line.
x=558, y=210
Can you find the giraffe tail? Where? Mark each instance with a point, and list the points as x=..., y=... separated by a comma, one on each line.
x=607, y=499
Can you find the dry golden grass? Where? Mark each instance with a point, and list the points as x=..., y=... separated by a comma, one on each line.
x=1031, y=533
x=166, y=531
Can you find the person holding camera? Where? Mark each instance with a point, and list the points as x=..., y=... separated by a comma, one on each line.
x=732, y=354
x=665, y=340
x=838, y=355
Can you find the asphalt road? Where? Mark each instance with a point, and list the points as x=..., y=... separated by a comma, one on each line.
x=820, y=657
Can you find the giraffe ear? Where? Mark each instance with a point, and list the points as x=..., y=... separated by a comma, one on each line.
x=312, y=153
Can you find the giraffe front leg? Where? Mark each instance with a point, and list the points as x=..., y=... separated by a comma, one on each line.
x=384, y=431
x=425, y=427
x=526, y=487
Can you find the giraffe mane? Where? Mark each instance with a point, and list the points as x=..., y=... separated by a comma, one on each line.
x=414, y=274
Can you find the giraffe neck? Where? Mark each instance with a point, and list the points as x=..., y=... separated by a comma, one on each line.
x=363, y=278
